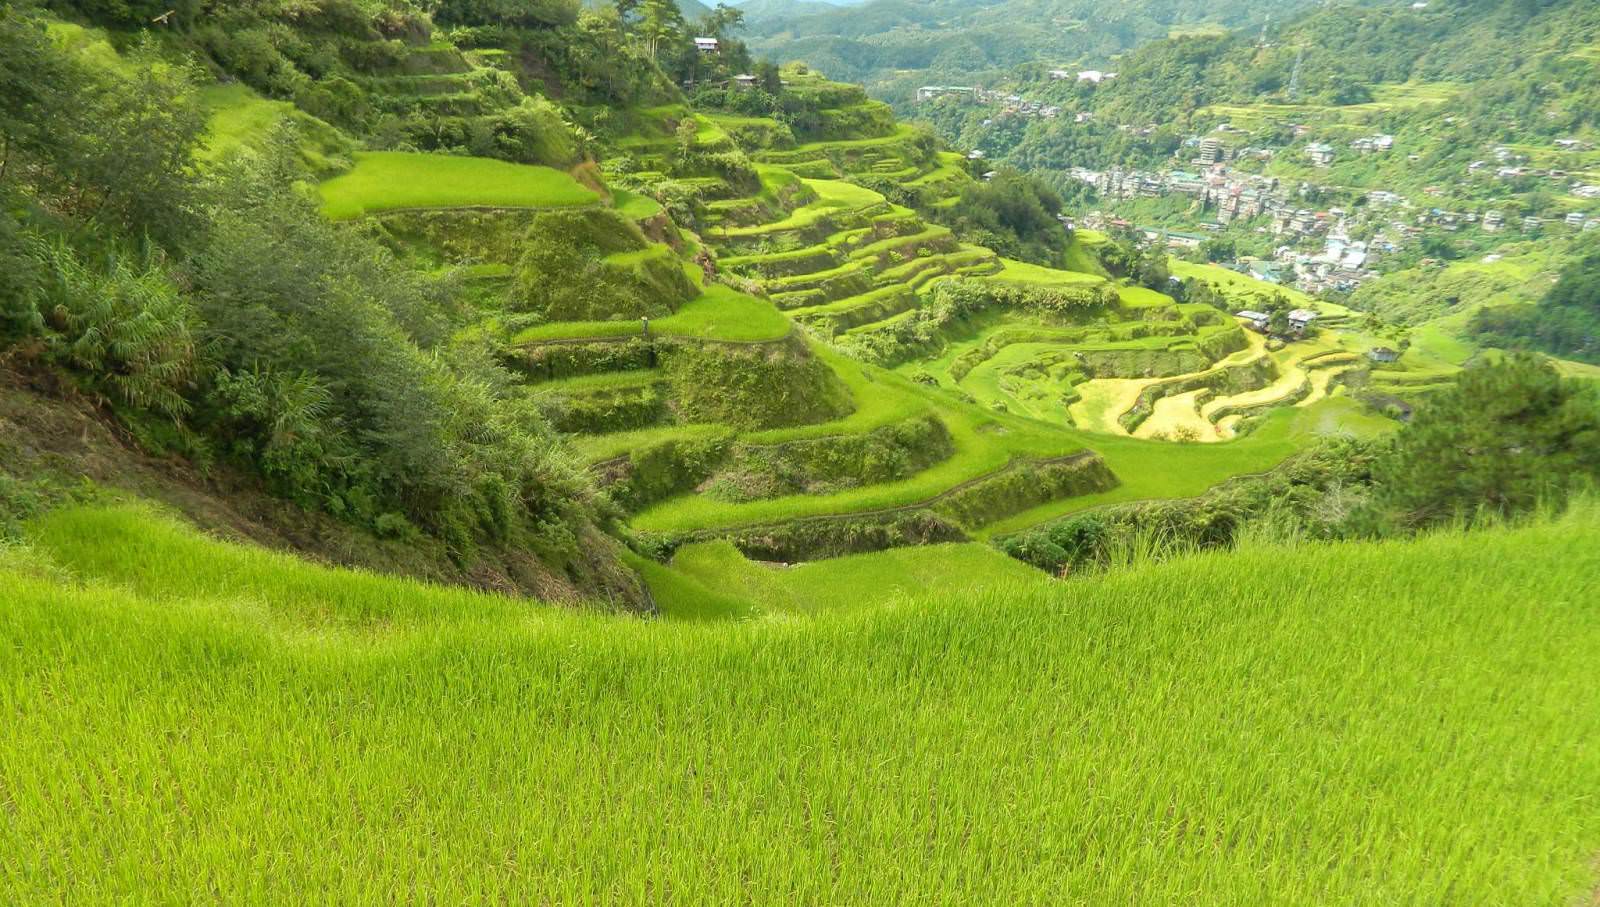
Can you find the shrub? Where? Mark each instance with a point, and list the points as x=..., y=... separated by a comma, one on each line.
x=127, y=330
x=1507, y=437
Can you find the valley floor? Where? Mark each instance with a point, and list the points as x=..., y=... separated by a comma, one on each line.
x=1377, y=723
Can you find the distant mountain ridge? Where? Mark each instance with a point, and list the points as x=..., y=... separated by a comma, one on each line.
x=892, y=46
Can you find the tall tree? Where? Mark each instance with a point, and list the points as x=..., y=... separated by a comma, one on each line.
x=1508, y=436
x=660, y=21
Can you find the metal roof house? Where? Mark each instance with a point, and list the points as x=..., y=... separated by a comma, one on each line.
x=1257, y=320
x=1300, y=319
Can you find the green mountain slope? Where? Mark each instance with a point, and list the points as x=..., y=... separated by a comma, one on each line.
x=893, y=46
x=1324, y=724
x=1477, y=196
x=1450, y=82
x=770, y=314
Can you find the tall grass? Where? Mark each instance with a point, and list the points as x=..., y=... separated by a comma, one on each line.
x=1386, y=724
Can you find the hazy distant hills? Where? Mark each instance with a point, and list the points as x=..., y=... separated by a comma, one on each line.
x=891, y=46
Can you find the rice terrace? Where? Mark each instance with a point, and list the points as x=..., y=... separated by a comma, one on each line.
x=516, y=451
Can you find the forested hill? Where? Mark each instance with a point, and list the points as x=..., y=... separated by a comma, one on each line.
x=1517, y=54
x=1509, y=71
x=894, y=46
x=1453, y=83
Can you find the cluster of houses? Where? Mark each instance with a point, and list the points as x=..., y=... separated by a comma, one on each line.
x=1009, y=104
x=1387, y=221
x=1299, y=321
x=1093, y=76
x=1230, y=195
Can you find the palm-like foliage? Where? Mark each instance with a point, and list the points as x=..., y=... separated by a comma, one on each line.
x=127, y=328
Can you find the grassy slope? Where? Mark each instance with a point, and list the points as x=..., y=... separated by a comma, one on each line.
x=983, y=444
x=1332, y=724
x=392, y=180
x=1241, y=289
x=1154, y=470
x=718, y=313
x=862, y=580
x=1025, y=273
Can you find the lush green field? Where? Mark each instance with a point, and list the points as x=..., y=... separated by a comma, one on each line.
x=394, y=180
x=1024, y=273
x=1159, y=470
x=857, y=581
x=1394, y=723
x=718, y=313
x=634, y=205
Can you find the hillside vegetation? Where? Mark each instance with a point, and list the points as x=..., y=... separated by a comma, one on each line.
x=893, y=47
x=676, y=480
x=1449, y=82
x=761, y=313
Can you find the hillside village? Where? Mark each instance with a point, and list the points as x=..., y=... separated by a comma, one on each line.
x=1319, y=250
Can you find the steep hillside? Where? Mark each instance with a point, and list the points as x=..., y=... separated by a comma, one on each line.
x=1450, y=83
x=763, y=313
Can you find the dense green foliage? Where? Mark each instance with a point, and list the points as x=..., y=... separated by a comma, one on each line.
x=1505, y=438
x=893, y=47
x=1566, y=321
x=222, y=317
x=1013, y=214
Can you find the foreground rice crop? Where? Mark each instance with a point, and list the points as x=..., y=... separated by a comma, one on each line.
x=1391, y=723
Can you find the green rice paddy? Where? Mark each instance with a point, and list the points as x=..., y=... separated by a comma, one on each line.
x=396, y=180
x=1024, y=273
x=718, y=313
x=1359, y=723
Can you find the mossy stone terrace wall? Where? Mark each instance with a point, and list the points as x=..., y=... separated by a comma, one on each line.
x=555, y=360
x=825, y=537
x=1225, y=380
x=1025, y=485
x=754, y=385
x=828, y=465
x=655, y=472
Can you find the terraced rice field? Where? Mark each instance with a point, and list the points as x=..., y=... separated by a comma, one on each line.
x=395, y=180
x=837, y=261
x=719, y=313
x=1386, y=97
